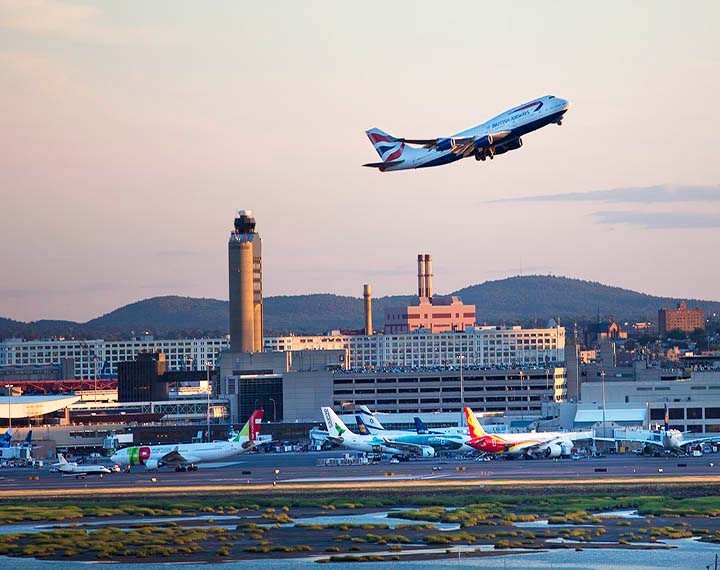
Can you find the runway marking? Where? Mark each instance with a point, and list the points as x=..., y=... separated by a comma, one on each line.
x=388, y=483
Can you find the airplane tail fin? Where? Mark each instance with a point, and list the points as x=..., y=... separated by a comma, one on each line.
x=388, y=147
x=251, y=428
x=335, y=426
x=28, y=439
x=61, y=459
x=369, y=419
x=362, y=428
x=6, y=439
x=476, y=430
x=420, y=426
x=666, y=424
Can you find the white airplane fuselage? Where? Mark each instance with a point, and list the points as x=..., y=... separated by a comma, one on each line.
x=192, y=452
x=513, y=124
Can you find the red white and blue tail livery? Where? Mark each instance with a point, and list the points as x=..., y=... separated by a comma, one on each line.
x=496, y=136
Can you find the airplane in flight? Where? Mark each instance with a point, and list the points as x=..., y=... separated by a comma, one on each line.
x=186, y=456
x=340, y=434
x=68, y=469
x=438, y=441
x=529, y=445
x=499, y=135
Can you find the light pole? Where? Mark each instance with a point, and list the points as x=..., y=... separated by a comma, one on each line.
x=9, y=389
x=95, y=361
x=602, y=375
x=274, y=410
x=522, y=406
x=207, y=368
x=462, y=393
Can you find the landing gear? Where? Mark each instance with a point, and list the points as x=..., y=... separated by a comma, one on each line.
x=559, y=123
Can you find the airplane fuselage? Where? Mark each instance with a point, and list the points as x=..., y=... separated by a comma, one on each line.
x=193, y=452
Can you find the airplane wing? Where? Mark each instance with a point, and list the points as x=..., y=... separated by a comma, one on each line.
x=176, y=458
x=698, y=440
x=464, y=145
x=413, y=448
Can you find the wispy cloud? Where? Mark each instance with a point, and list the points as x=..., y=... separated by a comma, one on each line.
x=646, y=195
x=661, y=220
x=65, y=20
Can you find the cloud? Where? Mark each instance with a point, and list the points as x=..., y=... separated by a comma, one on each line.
x=646, y=195
x=661, y=220
x=69, y=21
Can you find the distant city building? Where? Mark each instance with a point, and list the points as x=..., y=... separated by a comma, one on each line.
x=599, y=333
x=482, y=346
x=140, y=380
x=99, y=358
x=682, y=318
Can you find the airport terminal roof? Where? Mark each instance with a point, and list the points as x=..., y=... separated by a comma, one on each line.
x=20, y=407
x=618, y=416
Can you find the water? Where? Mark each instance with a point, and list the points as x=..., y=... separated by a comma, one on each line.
x=372, y=518
x=688, y=555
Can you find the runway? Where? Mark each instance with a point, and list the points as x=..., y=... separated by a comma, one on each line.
x=301, y=471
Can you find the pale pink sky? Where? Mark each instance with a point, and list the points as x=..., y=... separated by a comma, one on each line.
x=131, y=131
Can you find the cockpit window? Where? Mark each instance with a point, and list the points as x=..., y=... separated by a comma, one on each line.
x=551, y=97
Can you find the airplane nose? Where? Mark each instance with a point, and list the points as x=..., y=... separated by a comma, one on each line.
x=565, y=104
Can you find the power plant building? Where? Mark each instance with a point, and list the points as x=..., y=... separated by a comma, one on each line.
x=434, y=314
x=245, y=280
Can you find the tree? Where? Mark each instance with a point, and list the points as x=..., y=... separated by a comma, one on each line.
x=677, y=334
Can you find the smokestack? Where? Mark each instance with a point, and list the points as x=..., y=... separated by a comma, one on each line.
x=367, y=296
x=421, y=275
x=428, y=276
x=245, y=272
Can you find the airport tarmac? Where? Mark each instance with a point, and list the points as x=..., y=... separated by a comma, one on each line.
x=301, y=470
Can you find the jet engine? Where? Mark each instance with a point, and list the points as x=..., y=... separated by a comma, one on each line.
x=553, y=450
x=152, y=464
x=428, y=451
x=513, y=144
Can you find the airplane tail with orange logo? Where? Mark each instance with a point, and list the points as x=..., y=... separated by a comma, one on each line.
x=476, y=430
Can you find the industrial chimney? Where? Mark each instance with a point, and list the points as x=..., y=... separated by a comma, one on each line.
x=367, y=296
x=421, y=275
x=428, y=276
x=245, y=272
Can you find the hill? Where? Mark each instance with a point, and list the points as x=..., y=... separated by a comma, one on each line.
x=516, y=299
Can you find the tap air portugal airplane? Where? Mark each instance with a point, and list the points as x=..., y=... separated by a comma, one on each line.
x=496, y=136
x=530, y=445
x=186, y=456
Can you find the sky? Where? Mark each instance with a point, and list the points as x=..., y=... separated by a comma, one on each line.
x=132, y=131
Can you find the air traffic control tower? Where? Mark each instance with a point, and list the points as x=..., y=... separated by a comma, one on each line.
x=245, y=268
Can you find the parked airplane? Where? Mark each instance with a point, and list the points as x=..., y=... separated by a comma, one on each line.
x=530, y=445
x=438, y=441
x=496, y=136
x=340, y=434
x=672, y=439
x=186, y=456
x=421, y=428
x=68, y=469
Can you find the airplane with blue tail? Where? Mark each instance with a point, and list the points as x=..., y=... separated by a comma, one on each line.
x=497, y=136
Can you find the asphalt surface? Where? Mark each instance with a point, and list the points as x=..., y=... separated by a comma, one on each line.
x=302, y=470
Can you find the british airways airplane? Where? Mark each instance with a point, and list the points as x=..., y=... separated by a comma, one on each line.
x=496, y=136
